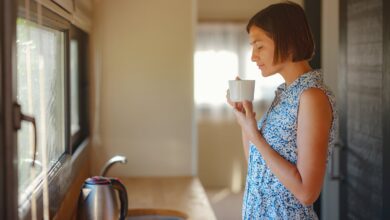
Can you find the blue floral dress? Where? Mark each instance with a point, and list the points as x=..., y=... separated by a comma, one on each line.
x=265, y=197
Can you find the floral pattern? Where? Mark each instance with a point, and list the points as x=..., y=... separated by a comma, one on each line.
x=265, y=197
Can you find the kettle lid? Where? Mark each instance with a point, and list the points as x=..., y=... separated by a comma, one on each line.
x=98, y=180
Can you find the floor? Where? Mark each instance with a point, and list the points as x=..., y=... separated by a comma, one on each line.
x=226, y=204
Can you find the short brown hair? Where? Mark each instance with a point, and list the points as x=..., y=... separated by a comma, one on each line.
x=286, y=24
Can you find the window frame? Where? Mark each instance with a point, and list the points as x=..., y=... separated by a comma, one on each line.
x=83, y=87
x=8, y=170
x=75, y=147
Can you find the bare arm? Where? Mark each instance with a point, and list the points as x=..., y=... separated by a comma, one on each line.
x=238, y=106
x=304, y=179
x=245, y=144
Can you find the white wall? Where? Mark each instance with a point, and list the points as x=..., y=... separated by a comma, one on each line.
x=330, y=42
x=142, y=86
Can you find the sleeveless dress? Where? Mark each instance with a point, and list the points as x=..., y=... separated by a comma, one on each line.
x=265, y=197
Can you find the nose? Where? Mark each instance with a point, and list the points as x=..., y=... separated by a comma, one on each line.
x=254, y=56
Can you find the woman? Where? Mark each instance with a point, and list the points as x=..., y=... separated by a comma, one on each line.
x=287, y=150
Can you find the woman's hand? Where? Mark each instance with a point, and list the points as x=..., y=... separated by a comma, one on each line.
x=246, y=118
x=235, y=105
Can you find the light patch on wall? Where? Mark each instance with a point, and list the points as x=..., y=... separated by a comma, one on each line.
x=213, y=69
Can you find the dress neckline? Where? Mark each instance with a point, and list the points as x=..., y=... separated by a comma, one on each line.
x=283, y=87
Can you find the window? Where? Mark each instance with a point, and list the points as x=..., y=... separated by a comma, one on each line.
x=51, y=89
x=213, y=69
x=78, y=50
x=223, y=52
x=41, y=93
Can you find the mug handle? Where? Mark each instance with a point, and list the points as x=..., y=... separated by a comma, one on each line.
x=118, y=185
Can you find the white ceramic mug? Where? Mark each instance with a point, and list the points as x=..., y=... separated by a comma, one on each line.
x=241, y=90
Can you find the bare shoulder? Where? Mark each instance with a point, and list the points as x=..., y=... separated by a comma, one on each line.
x=313, y=94
x=315, y=99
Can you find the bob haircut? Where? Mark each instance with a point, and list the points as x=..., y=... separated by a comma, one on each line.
x=286, y=24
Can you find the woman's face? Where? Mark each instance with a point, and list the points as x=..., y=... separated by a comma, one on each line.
x=263, y=48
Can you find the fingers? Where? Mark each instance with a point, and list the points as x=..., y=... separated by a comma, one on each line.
x=248, y=106
x=236, y=105
x=239, y=115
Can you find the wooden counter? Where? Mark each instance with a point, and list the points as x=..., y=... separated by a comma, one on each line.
x=185, y=194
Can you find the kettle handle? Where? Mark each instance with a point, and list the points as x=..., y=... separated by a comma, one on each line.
x=118, y=185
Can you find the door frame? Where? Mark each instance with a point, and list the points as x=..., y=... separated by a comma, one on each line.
x=342, y=101
x=2, y=143
x=386, y=110
x=313, y=10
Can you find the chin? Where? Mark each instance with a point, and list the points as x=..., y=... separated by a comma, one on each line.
x=266, y=74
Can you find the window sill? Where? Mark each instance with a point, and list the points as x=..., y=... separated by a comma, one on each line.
x=64, y=186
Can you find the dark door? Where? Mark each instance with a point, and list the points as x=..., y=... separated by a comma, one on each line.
x=362, y=103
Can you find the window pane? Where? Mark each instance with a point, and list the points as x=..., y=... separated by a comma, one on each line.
x=222, y=53
x=265, y=86
x=213, y=70
x=40, y=92
x=74, y=87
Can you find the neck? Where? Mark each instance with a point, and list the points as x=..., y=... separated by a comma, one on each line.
x=292, y=70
